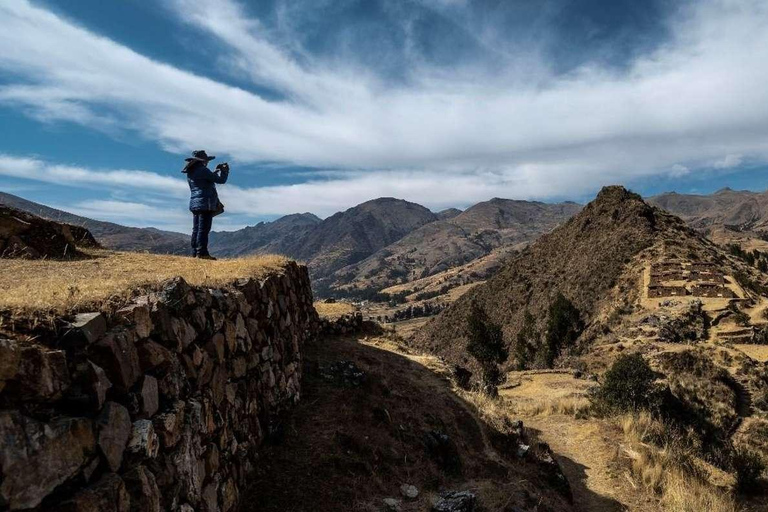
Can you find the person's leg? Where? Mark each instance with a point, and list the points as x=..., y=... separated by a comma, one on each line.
x=195, y=230
x=204, y=228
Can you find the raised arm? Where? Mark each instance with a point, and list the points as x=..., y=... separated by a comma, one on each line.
x=219, y=177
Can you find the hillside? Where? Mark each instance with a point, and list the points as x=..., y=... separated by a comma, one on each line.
x=456, y=241
x=265, y=237
x=108, y=234
x=584, y=259
x=626, y=282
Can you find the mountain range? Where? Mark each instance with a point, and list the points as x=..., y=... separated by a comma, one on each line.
x=390, y=242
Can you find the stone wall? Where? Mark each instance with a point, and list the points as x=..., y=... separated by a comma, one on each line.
x=160, y=405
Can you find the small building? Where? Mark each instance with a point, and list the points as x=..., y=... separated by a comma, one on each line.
x=707, y=277
x=703, y=267
x=712, y=290
x=667, y=266
x=661, y=290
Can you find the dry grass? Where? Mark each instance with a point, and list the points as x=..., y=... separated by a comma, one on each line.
x=27, y=285
x=665, y=467
x=574, y=406
x=335, y=310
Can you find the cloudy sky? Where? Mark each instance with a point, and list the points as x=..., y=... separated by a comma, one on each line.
x=322, y=104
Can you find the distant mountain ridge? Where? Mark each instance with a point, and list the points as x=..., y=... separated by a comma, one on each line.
x=737, y=210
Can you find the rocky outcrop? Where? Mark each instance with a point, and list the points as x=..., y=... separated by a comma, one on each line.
x=23, y=235
x=161, y=405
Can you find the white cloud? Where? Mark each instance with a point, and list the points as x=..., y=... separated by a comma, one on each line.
x=441, y=140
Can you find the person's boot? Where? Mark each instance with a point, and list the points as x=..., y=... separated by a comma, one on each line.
x=205, y=257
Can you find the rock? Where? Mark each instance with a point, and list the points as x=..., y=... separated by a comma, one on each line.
x=117, y=354
x=86, y=328
x=142, y=488
x=409, y=491
x=455, y=501
x=169, y=424
x=190, y=467
x=143, y=443
x=217, y=346
x=522, y=450
x=342, y=373
x=442, y=450
x=210, y=498
x=149, y=396
x=153, y=355
x=99, y=384
x=229, y=496
x=211, y=460
x=392, y=505
x=139, y=316
x=10, y=358
x=107, y=495
x=114, y=425
x=42, y=374
x=37, y=457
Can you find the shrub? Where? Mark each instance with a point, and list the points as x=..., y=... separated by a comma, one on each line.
x=526, y=342
x=629, y=385
x=564, y=326
x=748, y=466
x=486, y=345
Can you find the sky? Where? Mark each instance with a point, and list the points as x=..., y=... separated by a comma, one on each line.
x=319, y=105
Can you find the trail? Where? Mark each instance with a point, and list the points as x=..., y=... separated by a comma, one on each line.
x=587, y=449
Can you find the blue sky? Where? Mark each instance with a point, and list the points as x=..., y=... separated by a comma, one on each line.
x=322, y=104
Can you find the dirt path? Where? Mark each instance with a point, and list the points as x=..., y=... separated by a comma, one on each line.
x=587, y=449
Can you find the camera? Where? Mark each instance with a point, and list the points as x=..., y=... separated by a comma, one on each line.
x=224, y=166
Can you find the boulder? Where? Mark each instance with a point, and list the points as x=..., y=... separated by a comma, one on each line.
x=149, y=396
x=143, y=443
x=117, y=354
x=108, y=494
x=455, y=501
x=37, y=457
x=139, y=316
x=114, y=425
x=169, y=425
x=153, y=355
x=10, y=358
x=98, y=384
x=409, y=492
x=42, y=374
x=142, y=488
x=85, y=329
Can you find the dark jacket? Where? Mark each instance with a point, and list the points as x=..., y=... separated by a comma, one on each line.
x=202, y=185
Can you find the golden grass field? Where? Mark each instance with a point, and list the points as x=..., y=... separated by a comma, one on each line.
x=335, y=310
x=29, y=285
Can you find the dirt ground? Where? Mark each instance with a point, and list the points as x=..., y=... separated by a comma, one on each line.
x=587, y=449
x=350, y=447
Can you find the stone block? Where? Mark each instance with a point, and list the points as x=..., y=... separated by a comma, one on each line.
x=114, y=425
x=37, y=457
x=117, y=354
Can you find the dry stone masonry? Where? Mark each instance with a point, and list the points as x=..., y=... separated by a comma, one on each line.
x=159, y=406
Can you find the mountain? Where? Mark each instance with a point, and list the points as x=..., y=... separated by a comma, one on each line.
x=448, y=213
x=455, y=241
x=726, y=214
x=264, y=237
x=108, y=234
x=584, y=259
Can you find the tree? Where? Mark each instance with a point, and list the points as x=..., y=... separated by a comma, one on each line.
x=527, y=342
x=629, y=385
x=564, y=326
x=486, y=345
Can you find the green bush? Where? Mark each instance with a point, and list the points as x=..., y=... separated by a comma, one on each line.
x=564, y=326
x=748, y=466
x=526, y=343
x=629, y=385
x=486, y=345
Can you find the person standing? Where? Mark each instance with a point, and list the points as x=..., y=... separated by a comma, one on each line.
x=204, y=200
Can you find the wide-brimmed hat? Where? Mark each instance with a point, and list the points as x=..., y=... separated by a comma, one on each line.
x=200, y=156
